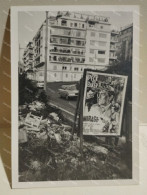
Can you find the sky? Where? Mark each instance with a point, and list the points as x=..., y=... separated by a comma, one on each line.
x=30, y=22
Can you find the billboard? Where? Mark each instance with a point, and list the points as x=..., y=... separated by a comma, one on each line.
x=103, y=103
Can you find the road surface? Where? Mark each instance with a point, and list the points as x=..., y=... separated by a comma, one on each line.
x=67, y=106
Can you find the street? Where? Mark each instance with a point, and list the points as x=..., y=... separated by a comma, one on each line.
x=67, y=106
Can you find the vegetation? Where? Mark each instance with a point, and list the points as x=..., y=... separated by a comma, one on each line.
x=124, y=68
x=28, y=91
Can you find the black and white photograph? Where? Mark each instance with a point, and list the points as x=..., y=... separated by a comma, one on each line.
x=72, y=96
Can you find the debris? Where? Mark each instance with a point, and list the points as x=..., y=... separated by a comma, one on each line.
x=42, y=135
x=50, y=148
x=51, y=134
x=67, y=127
x=32, y=129
x=45, y=121
x=66, y=135
x=36, y=105
x=58, y=138
x=22, y=136
x=54, y=116
x=32, y=121
x=99, y=149
x=35, y=165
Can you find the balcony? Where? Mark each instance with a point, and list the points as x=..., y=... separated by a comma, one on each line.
x=115, y=32
x=56, y=25
x=112, y=57
x=112, y=48
x=69, y=35
x=67, y=44
x=67, y=52
x=114, y=40
x=64, y=59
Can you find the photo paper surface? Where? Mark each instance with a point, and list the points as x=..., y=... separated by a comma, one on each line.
x=55, y=142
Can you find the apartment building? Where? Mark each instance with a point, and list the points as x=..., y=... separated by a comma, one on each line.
x=113, y=47
x=75, y=41
x=125, y=43
x=28, y=56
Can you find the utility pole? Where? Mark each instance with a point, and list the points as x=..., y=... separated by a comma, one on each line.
x=46, y=53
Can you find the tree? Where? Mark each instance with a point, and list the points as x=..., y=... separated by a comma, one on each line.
x=27, y=89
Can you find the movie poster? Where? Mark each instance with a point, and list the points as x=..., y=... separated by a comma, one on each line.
x=103, y=103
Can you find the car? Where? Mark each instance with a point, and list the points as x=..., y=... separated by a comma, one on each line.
x=40, y=84
x=68, y=91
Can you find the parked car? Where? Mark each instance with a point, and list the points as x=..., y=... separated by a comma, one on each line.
x=40, y=84
x=68, y=91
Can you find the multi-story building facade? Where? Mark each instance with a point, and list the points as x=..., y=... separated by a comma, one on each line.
x=28, y=56
x=113, y=47
x=75, y=42
x=125, y=43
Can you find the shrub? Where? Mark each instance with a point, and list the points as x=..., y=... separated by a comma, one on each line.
x=43, y=97
x=27, y=90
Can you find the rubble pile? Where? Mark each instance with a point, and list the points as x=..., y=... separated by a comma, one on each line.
x=48, y=151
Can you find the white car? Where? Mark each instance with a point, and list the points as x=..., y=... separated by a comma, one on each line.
x=68, y=91
x=40, y=84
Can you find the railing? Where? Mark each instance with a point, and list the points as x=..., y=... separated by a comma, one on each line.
x=113, y=40
x=63, y=24
x=112, y=48
x=68, y=60
x=68, y=35
x=62, y=51
x=113, y=57
x=67, y=43
x=115, y=32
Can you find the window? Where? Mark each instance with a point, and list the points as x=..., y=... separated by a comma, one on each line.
x=75, y=24
x=77, y=60
x=64, y=68
x=92, y=42
x=64, y=23
x=101, y=43
x=76, y=69
x=90, y=59
x=101, y=35
x=41, y=74
x=66, y=75
x=92, y=34
x=101, y=27
x=101, y=60
x=64, y=41
x=55, y=75
x=78, y=34
x=55, y=58
x=78, y=42
x=83, y=25
x=54, y=40
x=92, y=51
x=91, y=25
x=72, y=42
x=55, y=67
x=71, y=24
x=101, y=52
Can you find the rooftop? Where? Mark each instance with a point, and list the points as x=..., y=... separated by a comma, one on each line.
x=81, y=17
x=126, y=27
